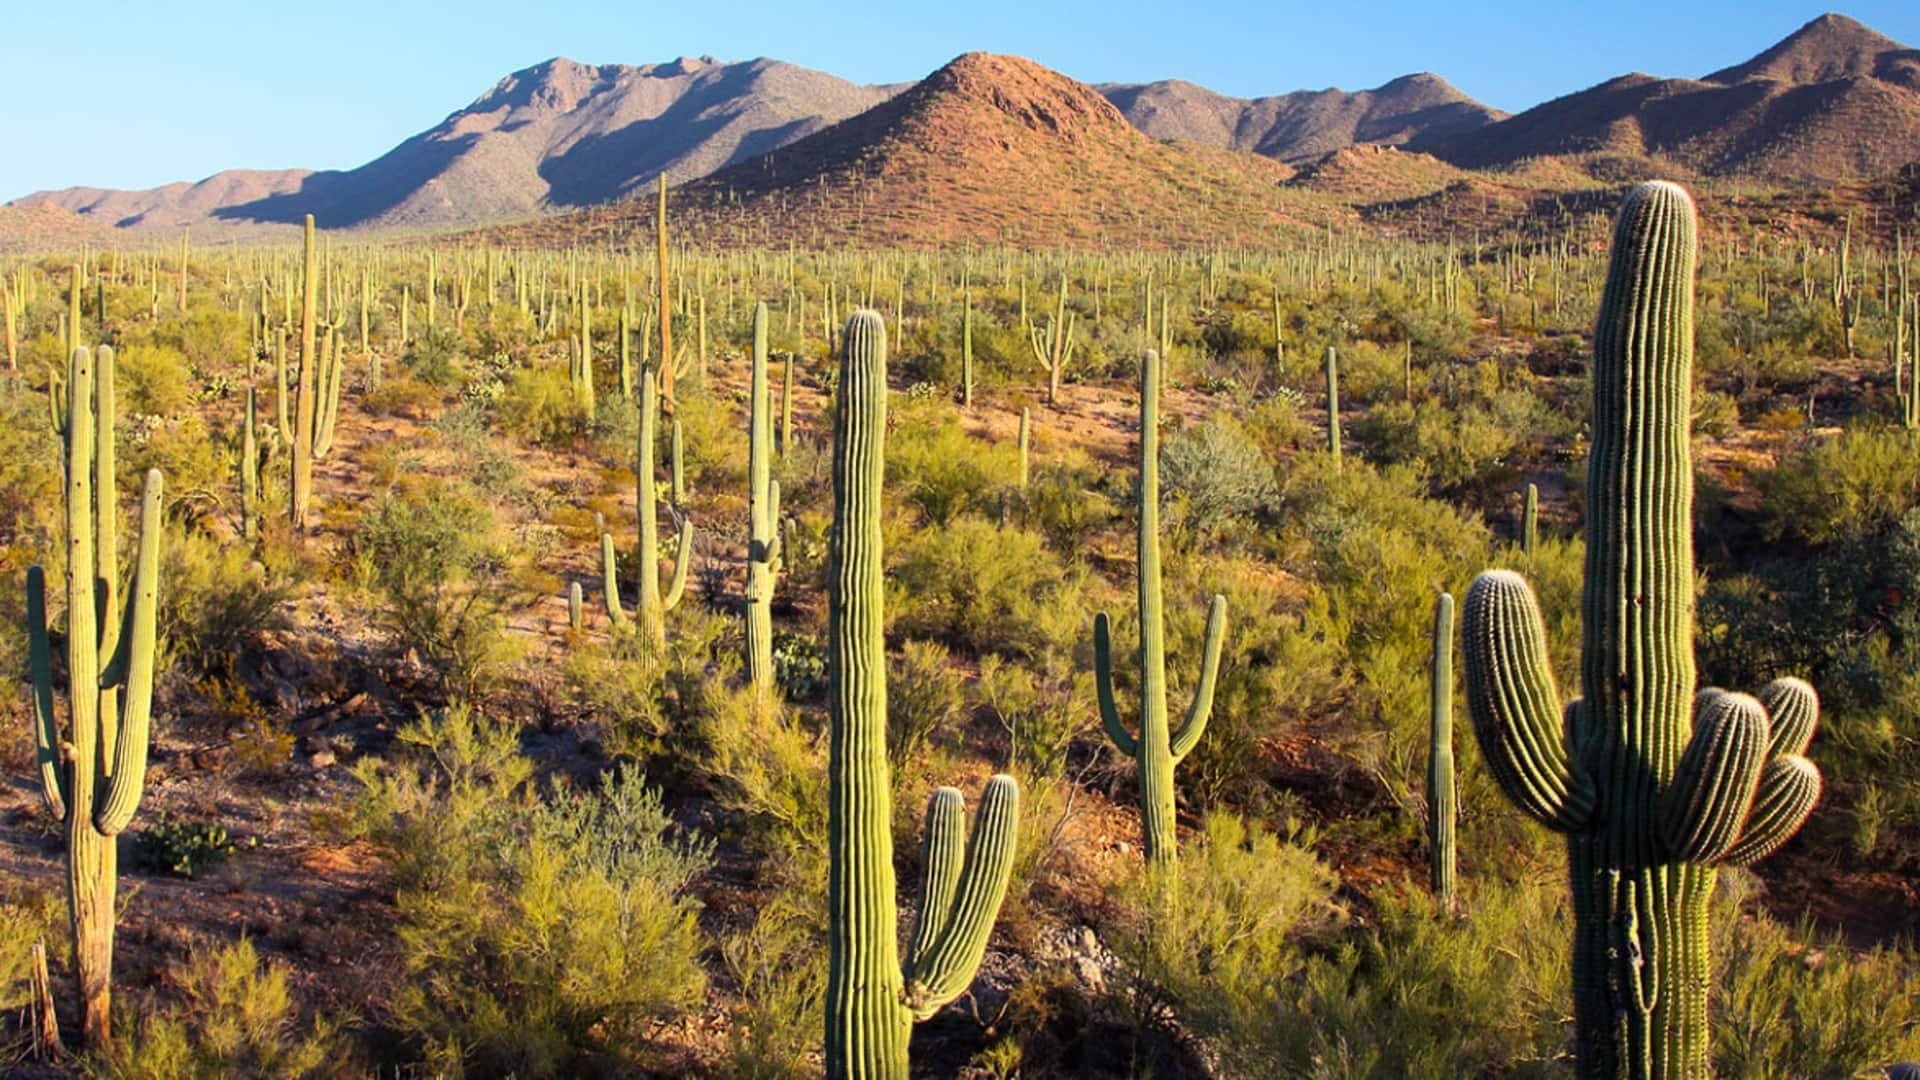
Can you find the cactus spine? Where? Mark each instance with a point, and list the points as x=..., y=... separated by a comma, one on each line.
x=1442, y=805
x=874, y=994
x=93, y=778
x=1155, y=750
x=763, y=520
x=1652, y=785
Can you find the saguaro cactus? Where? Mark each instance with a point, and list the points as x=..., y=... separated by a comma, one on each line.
x=250, y=470
x=652, y=607
x=1155, y=749
x=93, y=778
x=1653, y=785
x=763, y=519
x=874, y=994
x=1442, y=806
x=1333, y=404
x=303, y=408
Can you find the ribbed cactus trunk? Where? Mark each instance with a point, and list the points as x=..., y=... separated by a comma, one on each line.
x=1156, y=749
x=1530, y=519
x=1640, y=955
x=867, y=1024
x=1652, y=786
x=763, y=519
x=874, y=995
x=93, y=778
x=303, y=404
x=1442, y=803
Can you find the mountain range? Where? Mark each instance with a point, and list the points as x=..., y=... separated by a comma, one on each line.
x=998, y=147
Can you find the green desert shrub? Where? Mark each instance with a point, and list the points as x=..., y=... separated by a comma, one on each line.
x=1848, y=487
x=924, y=695
x=433, y=561
x=1222, y=950
x=1793, y=1002
x=539, y=407
x=943, y=472
x=986, y=588
x=152, y=380
x=1214, y=479
x=217, y=600
x=229, y=1014
x=542, y=928
x=1417, y=992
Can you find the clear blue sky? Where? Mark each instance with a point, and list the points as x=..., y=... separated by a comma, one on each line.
x=119, y=94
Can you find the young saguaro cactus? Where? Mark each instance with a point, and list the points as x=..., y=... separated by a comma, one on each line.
x=763, y=519
x=92, y=779
x=1653, y=785
x=1156, y=750
x=874, y=994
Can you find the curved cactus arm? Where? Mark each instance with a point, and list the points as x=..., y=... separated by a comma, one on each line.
x=776, y=545
x=1789, y=787
x=1515, y=708
x=1103, y=687
x=1189, y=734
x=682, y=559
x=1706, y=806
x=120, y=794
x=46, y=726
x=942, y=853
x=952, y=957
x=610, y=580
x=1793, y=711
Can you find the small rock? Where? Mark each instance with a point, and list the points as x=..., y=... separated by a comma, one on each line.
x=322, y=759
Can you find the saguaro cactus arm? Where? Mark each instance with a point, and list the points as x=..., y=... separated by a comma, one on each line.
x=961, y=898
x=48, y=754
x=1103, y=687
x=682, y=559
x=1515, y=708
x=610, y=580
x=1788, y=789
x=1201, y=709
x=1706, y=806
x=131, y=669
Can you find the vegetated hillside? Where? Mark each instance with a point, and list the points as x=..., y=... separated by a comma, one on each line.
x=1833, y=101
x=1304, y=125
x=46, y=228
x=989, y=149
x=557, y=134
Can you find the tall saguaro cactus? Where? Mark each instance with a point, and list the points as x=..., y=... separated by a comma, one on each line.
x=874, y=994
x=1156, y=750
x=303, y=407
x=1442, y=804
x=92, y=778
x=1653, y=785
x=763, y=519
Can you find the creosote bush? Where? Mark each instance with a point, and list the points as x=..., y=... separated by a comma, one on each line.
x=544, y=928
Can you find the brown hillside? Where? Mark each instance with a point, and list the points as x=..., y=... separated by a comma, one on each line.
x=989, y=149
x=1833, y=101
x=558, y=134
x=1299, y=127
